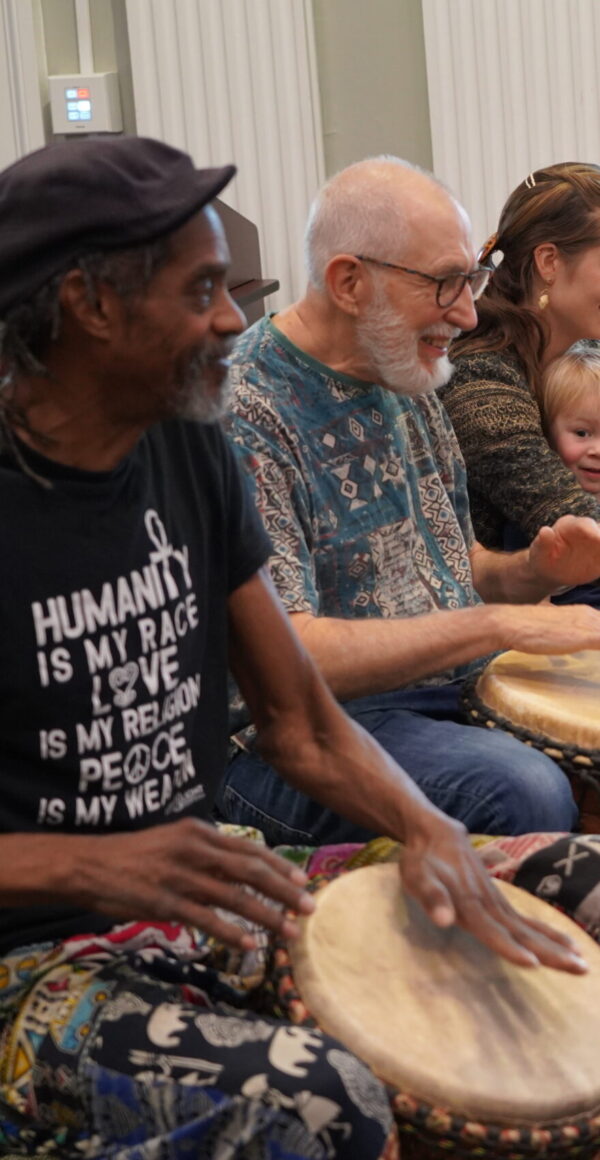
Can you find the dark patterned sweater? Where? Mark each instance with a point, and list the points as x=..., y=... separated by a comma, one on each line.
x=513, y=474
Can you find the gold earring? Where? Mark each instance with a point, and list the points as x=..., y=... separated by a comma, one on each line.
x=544, y=298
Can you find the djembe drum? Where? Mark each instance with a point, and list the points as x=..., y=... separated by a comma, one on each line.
x=483, y=1058
x=552, y=703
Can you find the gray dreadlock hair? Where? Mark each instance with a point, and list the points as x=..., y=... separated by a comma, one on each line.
x=29, y=328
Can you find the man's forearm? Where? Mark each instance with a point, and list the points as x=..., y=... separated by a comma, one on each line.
x=360, y=657
x=373, y=655
x=300, y=729
x=333, y=759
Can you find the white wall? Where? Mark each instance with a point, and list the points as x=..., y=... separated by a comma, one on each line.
x=235, y=80
x=21, y=120
x=372, y=78
x=513, y=85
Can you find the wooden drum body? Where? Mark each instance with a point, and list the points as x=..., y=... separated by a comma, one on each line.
x=483, y=1058
x=553, y=704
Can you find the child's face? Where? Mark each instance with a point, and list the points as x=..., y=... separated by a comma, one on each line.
x=575, y=434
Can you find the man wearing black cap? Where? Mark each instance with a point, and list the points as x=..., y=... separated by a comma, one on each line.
x=133, y=567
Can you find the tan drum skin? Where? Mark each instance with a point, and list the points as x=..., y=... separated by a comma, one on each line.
x=558, y=697
x=553, y=704
x=439, y=1016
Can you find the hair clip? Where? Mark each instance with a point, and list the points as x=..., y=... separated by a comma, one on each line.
x=487, y=249
x=530, y=181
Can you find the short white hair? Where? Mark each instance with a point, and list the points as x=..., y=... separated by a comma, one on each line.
x=359, y=211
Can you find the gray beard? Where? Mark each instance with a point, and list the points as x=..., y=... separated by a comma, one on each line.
x=204, y=408
x=194, y=401
x=390, y=346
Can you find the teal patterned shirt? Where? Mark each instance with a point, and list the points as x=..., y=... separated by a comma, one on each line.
x=362, y=491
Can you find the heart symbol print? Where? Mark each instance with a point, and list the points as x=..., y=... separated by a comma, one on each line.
x=121, y=681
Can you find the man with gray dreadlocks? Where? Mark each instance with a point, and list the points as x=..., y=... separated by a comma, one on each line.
x=133, y=567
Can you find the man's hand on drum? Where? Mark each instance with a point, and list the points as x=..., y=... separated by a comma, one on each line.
x=446, y=876
x=548, y=628
x=566, y=554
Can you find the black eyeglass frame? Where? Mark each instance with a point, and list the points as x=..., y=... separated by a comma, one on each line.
x=439, y=279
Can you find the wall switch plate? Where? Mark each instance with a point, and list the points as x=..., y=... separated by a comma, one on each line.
x=85, y=104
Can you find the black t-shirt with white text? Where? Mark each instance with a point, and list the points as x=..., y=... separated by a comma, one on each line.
x=113, y=643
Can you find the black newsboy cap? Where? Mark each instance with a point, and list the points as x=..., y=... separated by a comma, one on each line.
x=75, y=197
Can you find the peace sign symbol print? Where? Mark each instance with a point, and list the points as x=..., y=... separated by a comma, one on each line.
x=136, y=764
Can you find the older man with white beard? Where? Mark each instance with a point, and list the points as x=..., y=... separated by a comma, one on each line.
x=362, y=489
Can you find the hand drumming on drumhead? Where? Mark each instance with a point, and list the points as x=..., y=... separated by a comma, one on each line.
x=321, y=751
x=446, y=876
x=568, y=553
x=548, y=628
x=184, y=872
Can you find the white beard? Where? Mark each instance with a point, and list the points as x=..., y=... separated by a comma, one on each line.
x=205, y=408
x=391, y=347
x=196, y=398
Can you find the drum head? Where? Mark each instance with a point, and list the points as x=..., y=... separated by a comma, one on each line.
x=558, y=697
x=443, y=1018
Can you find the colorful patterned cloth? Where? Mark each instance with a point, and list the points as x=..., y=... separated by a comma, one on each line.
x=150, y=1043
x=100, y=1035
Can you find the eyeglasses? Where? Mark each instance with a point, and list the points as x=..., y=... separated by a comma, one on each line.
x=449, y=286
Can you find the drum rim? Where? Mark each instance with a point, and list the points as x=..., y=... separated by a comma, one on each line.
x=575, y=760
x=459, y=1135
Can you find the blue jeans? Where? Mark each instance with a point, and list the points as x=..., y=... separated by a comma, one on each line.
x=486, y=779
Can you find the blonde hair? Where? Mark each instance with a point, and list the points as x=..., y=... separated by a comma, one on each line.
x=568, y=378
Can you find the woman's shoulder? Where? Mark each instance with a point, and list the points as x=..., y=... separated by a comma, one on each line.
x=480, y=368
x=489, y=389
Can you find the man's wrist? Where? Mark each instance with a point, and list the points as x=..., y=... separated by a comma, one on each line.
x=44, y=867
x=530, y=583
